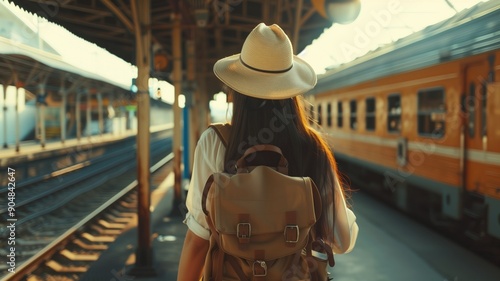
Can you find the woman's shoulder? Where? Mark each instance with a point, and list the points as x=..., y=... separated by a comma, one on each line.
x=214, y=134
x=208, y=135
x=223, y=131
x=211, y=150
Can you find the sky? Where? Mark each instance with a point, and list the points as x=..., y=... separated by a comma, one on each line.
x=380, y=22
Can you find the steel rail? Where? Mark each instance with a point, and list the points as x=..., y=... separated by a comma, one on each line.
x=70, y=182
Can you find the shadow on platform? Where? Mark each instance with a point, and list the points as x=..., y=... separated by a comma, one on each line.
x=168, y=234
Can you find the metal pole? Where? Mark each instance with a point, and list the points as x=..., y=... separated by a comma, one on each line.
x=112, y=120
x=17, y=118
x=5, y=115
x=100, y=113
x=177, y=53
x=89, y=117
x=189, y=114
x=62, y=110
x=41, y=91
x=144, y=254
x=78, y=117
x=201, y=97
x=185, y=136
x=62, y=118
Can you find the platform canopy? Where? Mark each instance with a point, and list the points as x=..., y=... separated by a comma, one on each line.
x=109, y=24
x=34, y=52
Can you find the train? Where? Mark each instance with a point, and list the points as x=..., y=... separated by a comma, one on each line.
x=417, y=121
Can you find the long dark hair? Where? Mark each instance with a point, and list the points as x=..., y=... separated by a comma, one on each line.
x=284, y=123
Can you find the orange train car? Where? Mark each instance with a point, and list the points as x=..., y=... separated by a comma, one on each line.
x=421, y=118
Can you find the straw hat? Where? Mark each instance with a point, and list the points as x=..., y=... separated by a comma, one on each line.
x=266, y=67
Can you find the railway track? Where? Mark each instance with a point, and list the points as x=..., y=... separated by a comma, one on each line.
x=69, y=254
x=82, y=210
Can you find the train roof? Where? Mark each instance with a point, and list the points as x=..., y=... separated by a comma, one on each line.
x=473, y=31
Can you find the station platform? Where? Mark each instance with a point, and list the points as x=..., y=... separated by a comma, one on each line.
x=33, y=150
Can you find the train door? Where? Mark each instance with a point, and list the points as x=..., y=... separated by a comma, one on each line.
x=481, y=175
x=492, y=178
x=473, y=90
x=475, y=209
x=475, y=101
x=493, y=115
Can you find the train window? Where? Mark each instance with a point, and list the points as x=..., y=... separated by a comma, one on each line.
x=431, y=112
x=320, y=116
x=353, y=110
x=329, y=114
x=370, y=114
x=394, y=113
x=471, y=109
x=340, y=115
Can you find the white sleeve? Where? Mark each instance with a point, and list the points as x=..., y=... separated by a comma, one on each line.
x=346, y=229
x=208, y=159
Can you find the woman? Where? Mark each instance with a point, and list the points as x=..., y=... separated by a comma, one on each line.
x=266, y=81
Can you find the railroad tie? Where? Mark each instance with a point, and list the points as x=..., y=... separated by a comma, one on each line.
x=116, y=219
x=57, y=267
x=128, y=205
x=109, y=225
x=78, y=257
x=91, y=247
x=123, y=213
x=101, y=239
x=105, y=231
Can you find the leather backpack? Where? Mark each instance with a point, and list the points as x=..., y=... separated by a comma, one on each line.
x=261, y=222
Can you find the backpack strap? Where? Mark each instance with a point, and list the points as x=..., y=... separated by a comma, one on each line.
x=223, y=131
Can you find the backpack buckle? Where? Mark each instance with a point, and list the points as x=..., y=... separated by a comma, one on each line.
x=259, y=268
x=291, y=233
x=243, y=231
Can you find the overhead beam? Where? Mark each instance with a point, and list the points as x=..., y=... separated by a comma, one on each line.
x=118, y=13
x=298, y=25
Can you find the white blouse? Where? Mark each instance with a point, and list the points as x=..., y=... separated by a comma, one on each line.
x=209, y=159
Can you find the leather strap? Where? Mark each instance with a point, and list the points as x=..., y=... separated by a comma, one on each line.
x=291, y=231
x=282, y=166
x=320, y=246
x=217, y=264
x=204, y=196
x=217, y=253
x=218, y=258
x=318, y=207
x=223, y=131
x=243, y=229
x=259, y=267
x=236, y=267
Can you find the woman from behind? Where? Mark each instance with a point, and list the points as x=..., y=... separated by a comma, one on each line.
x=266, y=82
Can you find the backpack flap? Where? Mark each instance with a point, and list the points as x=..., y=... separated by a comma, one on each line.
x=263, y=212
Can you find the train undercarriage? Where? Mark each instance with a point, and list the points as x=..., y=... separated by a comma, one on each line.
x=426, y=206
